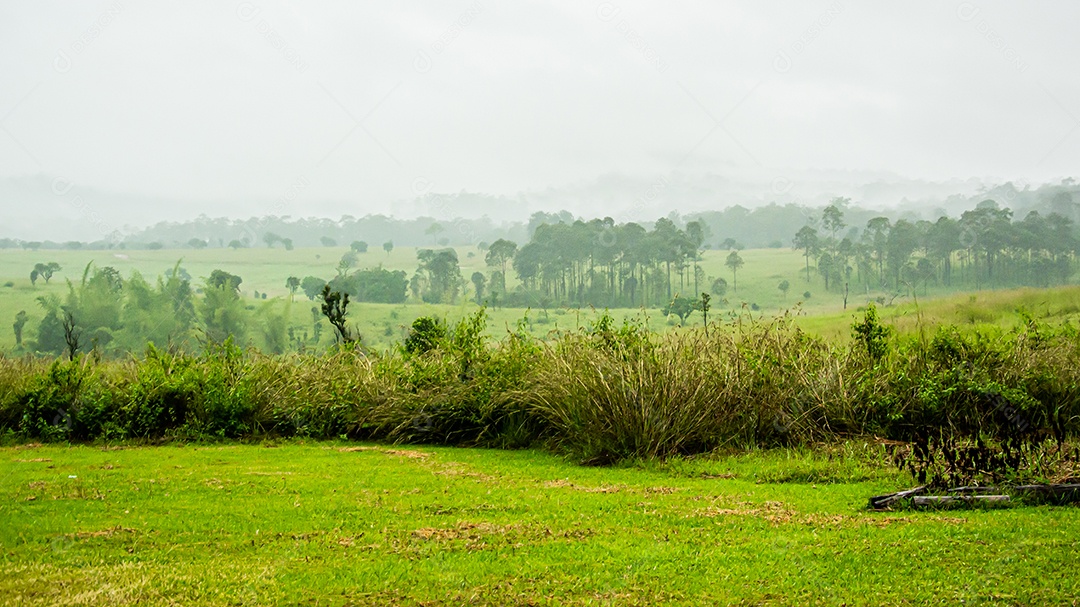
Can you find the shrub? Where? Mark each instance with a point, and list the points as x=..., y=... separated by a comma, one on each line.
x=425, y=335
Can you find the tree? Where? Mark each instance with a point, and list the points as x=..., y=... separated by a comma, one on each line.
x=478, y=286
x=292, y=283
x=334, y=307
x=348, y=260
x=20, y=322
x=222, y=311
x=832, y=218
x=197, y=243
x=222, y=279
x=719, y=288
x=784, y=286
x=160, y=314
x=832, y=264
x=270, y=238
x=901, y=242
x=33, y=277
x=989, y=230
x=50, y=331
x=425, y=334
x=872, y=334
x=312, y=286
x=807, y=240
x=681, y=307
x=377, y=285
x=359, y=246
x=877, y=235
x=170, y=311
x=288, y=243
x=98, y=302
x=275, y=328
x=442, y=272
x=498, y=253
x=734, y=261
x=697, y=232
x=236, y=244
x=434, y=230
x=327, y=241
x=177, y=272
x=388, y=246
x=924, y=271
x=44, y=270
x=71, y=334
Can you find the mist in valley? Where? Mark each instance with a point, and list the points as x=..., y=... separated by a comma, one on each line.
x=116, y=117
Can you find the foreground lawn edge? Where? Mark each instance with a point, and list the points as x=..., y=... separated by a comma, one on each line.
x=345, y=523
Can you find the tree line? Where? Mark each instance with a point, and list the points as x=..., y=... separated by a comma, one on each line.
x=985, y=247
x=604, y=263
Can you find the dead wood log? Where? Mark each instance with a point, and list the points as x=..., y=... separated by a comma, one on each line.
x=882, y=502
x=924, y=501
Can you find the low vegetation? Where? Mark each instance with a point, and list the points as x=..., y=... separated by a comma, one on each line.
x=604, y=393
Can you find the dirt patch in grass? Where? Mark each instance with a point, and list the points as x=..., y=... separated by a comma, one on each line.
x=647, y=491
x=82, y=535
x=450, y=469
x=409, y=453
x=777, y=513
x=587, y=489
x=774, y=512
x=463, y=531
x=482, y=535
x=455, y=469
x=661, y=490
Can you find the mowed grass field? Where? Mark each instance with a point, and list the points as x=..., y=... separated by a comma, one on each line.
x=348, y=524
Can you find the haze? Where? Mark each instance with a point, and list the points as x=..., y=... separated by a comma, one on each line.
x=168, y=111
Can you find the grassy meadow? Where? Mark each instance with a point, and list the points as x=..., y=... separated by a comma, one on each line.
x=224, y=478
x=353, y=524
x=382, y=325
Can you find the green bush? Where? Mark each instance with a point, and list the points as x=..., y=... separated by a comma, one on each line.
x=425, y=335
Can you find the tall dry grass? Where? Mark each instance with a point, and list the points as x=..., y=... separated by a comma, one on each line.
x=601, y=394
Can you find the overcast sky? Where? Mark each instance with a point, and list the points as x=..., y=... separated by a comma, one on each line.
x=301, y=102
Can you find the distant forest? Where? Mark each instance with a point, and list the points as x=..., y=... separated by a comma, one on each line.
x=772, y=225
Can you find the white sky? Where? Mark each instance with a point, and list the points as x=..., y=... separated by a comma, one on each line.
x=302, y=102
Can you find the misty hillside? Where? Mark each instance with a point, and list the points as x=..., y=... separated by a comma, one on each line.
x=767, y=218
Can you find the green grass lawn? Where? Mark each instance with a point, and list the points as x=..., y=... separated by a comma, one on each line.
x=341, y=524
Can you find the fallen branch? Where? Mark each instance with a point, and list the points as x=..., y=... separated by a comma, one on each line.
x=937, y=501
x=973, y=495
x=882, y=502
